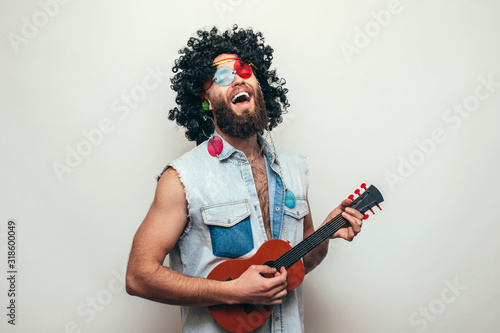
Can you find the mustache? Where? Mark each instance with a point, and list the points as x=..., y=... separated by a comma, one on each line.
x=236, y=90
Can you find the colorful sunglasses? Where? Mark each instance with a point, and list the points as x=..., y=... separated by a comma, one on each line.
x=224, y=75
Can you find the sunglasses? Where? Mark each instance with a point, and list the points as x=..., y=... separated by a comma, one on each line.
x=224, y=75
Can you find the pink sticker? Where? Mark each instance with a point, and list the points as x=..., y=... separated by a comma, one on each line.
x=214, y=146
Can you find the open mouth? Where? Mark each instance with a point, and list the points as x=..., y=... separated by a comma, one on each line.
x=241, y=98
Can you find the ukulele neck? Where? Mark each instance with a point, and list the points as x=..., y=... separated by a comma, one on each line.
x=309, y=243
x=371, y=197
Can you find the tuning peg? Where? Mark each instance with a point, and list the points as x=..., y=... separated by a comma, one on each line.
x=363, y=186
x=371, y=210
x=365, y=216
x=379, y=207
x=351, y=197
x=358, y=192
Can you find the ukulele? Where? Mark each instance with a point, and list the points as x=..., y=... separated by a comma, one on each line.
x=278, y=253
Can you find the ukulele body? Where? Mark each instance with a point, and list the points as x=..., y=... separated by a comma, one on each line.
x=247, y=317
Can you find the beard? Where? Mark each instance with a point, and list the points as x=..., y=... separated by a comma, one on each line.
x=241, y=126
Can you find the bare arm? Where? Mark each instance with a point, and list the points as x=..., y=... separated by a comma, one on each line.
x=316, y=256
x=155, y=238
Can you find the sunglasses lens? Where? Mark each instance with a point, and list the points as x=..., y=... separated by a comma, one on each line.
x=207, y=85
x=224, y=76
x=242, y=69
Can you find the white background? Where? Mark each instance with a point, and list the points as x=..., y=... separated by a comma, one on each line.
x=369, y=81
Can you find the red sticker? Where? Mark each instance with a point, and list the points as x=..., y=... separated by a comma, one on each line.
x=214, y=146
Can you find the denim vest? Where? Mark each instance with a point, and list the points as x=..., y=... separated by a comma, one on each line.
x=225, y=221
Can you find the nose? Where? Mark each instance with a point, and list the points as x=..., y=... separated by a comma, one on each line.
x=237, y=80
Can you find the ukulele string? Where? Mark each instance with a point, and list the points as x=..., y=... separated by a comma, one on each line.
x=292, y=256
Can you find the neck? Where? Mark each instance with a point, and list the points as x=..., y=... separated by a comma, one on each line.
x=250, y=146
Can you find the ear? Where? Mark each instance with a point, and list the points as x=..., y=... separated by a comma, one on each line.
x=205, y=103
x=207, y=97
x=210, y=108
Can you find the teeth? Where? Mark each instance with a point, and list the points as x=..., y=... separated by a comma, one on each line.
x=243, y=93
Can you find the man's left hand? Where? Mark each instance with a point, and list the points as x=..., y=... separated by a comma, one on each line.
x=354, y=217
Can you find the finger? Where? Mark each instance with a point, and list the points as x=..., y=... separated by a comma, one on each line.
x=341, y=207
x=346, y=233
x=263, y=269
x=284, y=274
x=280, y=271
x=351, y=235
x=278, y=296
x=280, y=278
x=354, y=212
x=275, y=301
x=344, y=204
x=355, y=223
x=278, y=291
x=276, y=286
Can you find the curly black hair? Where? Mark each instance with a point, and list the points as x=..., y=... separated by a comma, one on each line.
x=194, y=67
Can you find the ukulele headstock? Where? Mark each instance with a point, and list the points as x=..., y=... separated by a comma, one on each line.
x=365, y=201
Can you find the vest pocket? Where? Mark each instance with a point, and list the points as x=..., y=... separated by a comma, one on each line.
x=230, y=228
x=299, y=211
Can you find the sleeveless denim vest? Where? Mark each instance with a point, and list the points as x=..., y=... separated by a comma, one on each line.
x=225, y=221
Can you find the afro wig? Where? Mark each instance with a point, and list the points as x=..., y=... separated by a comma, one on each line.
x=194, y=67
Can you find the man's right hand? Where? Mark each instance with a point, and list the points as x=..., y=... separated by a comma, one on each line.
x=253, y=288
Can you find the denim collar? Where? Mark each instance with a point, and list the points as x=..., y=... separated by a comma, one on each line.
x=234, y=155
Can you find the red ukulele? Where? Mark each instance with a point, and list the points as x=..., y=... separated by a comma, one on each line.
x=278, y=253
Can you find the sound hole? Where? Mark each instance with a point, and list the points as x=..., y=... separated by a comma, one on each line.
x=270, y=263
x=247, y=308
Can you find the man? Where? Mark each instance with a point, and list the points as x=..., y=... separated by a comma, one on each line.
x=231, y=193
